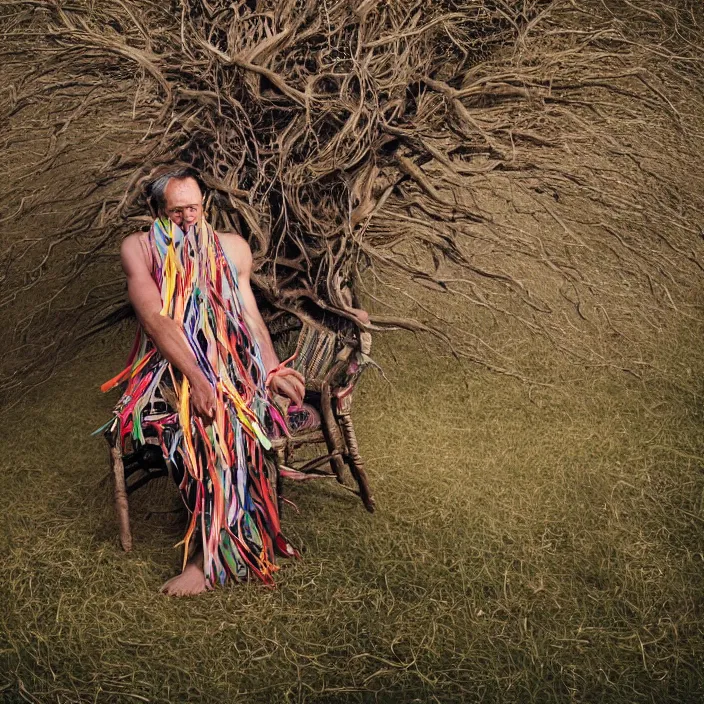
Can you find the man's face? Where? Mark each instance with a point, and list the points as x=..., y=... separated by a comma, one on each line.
x=184, y=202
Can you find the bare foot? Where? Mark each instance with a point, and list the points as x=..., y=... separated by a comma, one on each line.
x=190, y=582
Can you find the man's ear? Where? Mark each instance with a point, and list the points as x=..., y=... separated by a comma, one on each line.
x=152, y=205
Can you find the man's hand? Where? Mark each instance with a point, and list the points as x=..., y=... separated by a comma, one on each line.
x=203, y=398
x=289, y=383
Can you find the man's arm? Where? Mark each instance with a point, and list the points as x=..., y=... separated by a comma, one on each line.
x=166, y=334
x=288, y=382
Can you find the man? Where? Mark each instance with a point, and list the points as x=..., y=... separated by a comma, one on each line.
x=198, y=382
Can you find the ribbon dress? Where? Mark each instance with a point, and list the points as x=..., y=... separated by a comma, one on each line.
x=223, y=465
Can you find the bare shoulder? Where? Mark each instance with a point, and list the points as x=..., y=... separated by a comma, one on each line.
x=234, y=242
x=135, y=241
x=237, y=250
x=134, y=251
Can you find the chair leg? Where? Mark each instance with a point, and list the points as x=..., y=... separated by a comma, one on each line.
x=122, y=507
x=335, y=442
x=356, y=462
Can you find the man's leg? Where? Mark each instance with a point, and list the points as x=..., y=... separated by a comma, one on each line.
x=192, y=580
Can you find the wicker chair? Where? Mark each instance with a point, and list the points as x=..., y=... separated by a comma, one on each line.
x=331, y=363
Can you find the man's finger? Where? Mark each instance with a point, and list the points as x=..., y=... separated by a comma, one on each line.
x=206, y=410
x=301, y=391
x=298, y=385
x=293, y=393
x=288, y=387
x=288, y=372
x=298, y=390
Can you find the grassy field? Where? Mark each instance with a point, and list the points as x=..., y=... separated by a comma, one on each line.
x=531, y=545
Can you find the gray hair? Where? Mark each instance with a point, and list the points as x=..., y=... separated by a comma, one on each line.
x=157, y=187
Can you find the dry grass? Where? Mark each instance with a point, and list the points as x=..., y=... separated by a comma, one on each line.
x=531, y=546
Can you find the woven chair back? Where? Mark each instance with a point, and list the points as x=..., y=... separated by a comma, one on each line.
x=315, y=351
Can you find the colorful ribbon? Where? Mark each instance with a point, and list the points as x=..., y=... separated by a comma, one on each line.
x=225, y=462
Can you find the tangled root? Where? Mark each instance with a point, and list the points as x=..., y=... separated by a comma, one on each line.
x=516, y=155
